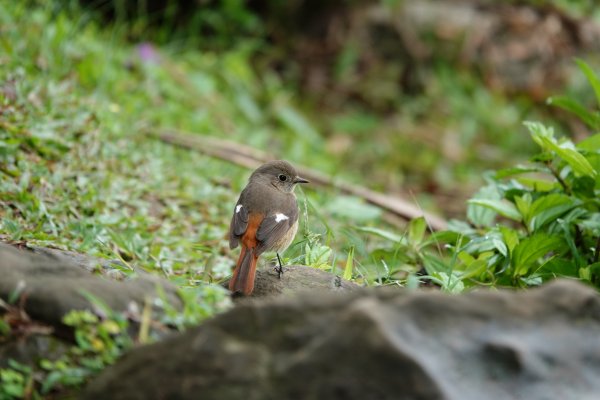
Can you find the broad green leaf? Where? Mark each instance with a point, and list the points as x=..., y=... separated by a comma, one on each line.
x=486, y=243
x=544, y=137
x=523, y=204
x=349, y=264
x=575, y=159
x=591, y=143
x=500, y=246
x=434, y=264
x=480, y=215
x=473, y=266
x=476, y=268
x=416, y=230
x=591, y=77
x=592, y=223
x=532, y=248
x=461, y=227
x=589, y=118
x=465, y=257
x=444, y=237
x=540, y=134
x=594, y=159
x=449, y=282
x=585, y=273
x=506, y=172
x=548, y=208
x=537, y=184
x=510, y=236
x=502, y=207
x=583, y=187
x=559, y=267
x=594, y=270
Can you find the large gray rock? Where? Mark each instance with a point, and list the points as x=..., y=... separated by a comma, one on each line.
x=51, y=283
x=369, y=344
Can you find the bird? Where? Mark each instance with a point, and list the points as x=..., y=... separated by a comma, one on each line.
x=265, y=218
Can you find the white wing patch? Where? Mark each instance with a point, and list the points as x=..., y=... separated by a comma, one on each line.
x=238, y=208
x=280, y=217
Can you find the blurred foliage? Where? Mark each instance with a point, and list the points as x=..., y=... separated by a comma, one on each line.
x=78, y=172
x=529, y=224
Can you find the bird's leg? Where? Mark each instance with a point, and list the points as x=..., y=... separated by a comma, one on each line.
x=279, y=268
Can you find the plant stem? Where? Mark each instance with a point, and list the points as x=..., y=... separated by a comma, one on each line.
x=558, y=178
x=597, y=251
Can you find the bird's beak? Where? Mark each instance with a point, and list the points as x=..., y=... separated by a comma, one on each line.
x=301, y=180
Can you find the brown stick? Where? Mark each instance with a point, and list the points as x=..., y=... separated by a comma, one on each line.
x=251, y=158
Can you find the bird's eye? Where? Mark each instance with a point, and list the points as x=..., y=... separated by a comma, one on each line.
x=282, y=178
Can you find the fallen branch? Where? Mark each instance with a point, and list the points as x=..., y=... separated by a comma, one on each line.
x=251, y=158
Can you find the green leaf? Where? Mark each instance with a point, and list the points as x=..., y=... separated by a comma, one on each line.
x=449, y=282
x=443, y=237
x=500, y=246
x=592, y=223
x=461, y=228
x=532, y=248
x=591, y=143
x=506, y=172
x=559, y=267
x=502, y=207
x=474, y=267
x=540, y=134
x=544, y=137
x=591, y=77
x=416, y=230
x=537, y=184
x=465, y=258
x=349, y=263
x=548, y=208
x=317, y=256
x=510, y=236
x=523, y=204
x=481, y=215
x=589, y=118
x=575, y=159
x=434, y=264
x=391, y=236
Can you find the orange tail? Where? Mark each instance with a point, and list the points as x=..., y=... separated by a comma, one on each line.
x=243, y=275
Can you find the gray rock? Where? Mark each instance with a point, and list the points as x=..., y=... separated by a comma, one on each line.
x=296, y=279
x=51, y=283
x=377, y=344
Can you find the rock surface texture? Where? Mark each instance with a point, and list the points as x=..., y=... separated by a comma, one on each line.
x=51, y=283
x=297, y=279
x=377, y=344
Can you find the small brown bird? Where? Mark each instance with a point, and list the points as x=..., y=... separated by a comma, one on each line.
x=265, y=218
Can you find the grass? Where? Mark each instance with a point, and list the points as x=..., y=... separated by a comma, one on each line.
x=78, y=170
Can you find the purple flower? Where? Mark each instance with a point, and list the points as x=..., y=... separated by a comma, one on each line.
x=147, y=52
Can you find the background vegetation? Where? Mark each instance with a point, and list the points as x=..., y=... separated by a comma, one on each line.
x=83, y=84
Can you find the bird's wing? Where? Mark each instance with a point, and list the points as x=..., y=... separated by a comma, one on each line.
x=274, y=227
x=239, y=224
